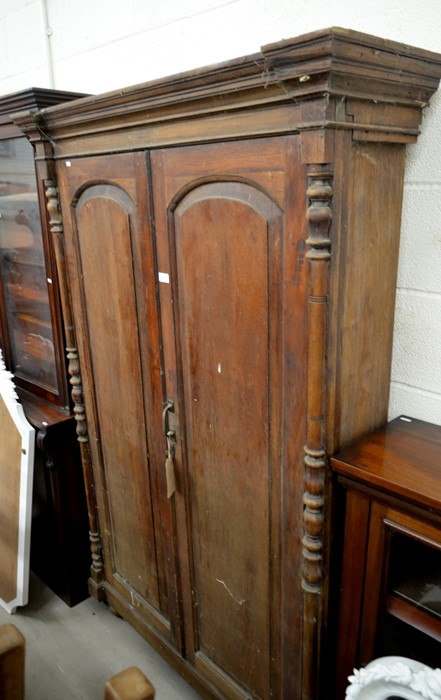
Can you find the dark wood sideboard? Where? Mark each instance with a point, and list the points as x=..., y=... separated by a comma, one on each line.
x=390, y=582
x=32, y=342
x=227, y=243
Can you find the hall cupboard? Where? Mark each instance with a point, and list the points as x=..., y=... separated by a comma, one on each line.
x=227, y=242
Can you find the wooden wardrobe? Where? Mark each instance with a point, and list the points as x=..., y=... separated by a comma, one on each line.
x=227, y=242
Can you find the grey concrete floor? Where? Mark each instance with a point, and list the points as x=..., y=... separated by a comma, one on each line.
x=71, y=652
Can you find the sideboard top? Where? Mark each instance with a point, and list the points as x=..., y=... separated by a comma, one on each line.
x=403, y=457
x=331, y=63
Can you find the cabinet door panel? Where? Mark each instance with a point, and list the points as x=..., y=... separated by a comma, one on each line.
x=110, y=307
x=31, y=342
x=223, y=317
x=224, y=339
x=108, y=250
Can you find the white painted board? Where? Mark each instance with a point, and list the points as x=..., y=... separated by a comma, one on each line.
x=17, y=440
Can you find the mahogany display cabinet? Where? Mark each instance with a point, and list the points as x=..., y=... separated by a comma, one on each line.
x=228, y=241
x=390, y=585
x=32, y=342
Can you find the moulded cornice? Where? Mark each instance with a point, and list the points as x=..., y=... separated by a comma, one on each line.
x=323, y=67
x=404, y=72
x=32, y=98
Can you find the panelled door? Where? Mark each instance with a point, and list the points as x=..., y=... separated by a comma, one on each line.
x=229, y=222
x=112, y=280
x=196, y=327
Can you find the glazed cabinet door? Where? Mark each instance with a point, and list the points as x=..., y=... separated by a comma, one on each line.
x=229, y=224
x=110, y=263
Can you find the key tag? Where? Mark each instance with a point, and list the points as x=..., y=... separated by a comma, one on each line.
x=169, y=466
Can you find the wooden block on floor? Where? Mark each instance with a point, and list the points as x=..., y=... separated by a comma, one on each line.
x=12, y=663
x=130, y=684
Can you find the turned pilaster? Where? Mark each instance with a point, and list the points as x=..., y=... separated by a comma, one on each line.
x=56, y=229
x=318, y=218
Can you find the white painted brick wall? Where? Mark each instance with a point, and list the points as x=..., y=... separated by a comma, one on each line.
x=22, y=53
x=100, y=45
x=416, y=367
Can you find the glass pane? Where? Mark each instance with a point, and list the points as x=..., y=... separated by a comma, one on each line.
x=23, y=267
x=415, y=573
x=412, y=622
x=400, y=639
